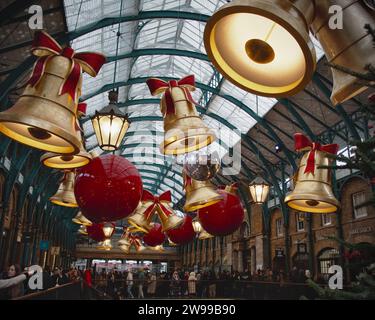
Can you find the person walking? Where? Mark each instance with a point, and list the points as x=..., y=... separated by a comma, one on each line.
x=129, y=284
x=192, y=284
x=175, y=284
x=151, y=288
x=141, y=280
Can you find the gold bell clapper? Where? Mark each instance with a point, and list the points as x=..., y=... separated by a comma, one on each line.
x=81, y=219
x=199, y=194
x=44, y=116
x=184, y=130
x=65, y=193
x=313, y=188
x=349, y=47
x=142, y=216
x=64, y=161
x=263, y=46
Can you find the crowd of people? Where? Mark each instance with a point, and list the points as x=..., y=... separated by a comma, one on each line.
x=140, y=283
x=143, y=283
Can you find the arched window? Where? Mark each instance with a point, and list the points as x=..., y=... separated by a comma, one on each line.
x=327, y=258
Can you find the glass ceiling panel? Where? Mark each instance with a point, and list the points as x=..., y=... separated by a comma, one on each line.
x=157, y=33
x=93, y=10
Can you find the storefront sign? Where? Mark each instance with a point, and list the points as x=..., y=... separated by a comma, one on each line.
x=360, y=230
x=319, y=236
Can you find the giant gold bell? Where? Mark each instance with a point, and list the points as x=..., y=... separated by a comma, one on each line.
x=200, y=194
x=350, y=47
x=184, y=130
x=168, y=218
x=138, y=218
x=63, y=161
x=41, y=118
x=65, y=193
x=313, y=192
x=263, y=46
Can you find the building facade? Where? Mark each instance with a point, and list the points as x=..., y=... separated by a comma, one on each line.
x=302, y=242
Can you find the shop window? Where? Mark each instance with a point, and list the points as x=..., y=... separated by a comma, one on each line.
x=279, y=227
x=326, y=219
x=358, y=199
x=300, y=220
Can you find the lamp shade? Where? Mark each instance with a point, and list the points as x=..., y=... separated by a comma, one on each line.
x=262, y=46
x=110, y=125
x=259, y=190
x=108, y=229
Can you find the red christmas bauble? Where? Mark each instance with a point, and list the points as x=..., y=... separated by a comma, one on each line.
x=155, y=236
x=108, y=188
x=183, y=234
x=223, y=217
x=95, y=231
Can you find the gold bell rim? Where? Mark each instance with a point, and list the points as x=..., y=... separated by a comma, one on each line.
x=80, y=222
x=173, y=226
x=64, y=204
x=191, y=207
x=331, y=205
x=305, y=44
x=72, y=142
x=53, y=160
x=175, y=146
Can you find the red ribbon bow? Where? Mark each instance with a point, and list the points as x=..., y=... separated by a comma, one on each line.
x=81, y=111
x=187, y=180
x=158, y=86
x=45, y=47
x=302, y=143
x=156, y=201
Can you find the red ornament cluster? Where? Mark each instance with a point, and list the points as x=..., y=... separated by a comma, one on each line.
x=183, y=234
x=155, y=236
x=108, y=188
x=223, y=217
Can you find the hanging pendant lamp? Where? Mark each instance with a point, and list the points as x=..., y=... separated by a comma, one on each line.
x=263, y=46
x=110, y=124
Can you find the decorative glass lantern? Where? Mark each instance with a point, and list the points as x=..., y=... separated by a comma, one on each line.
x=259, y=190
x=110, y=124
x=108, y=229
